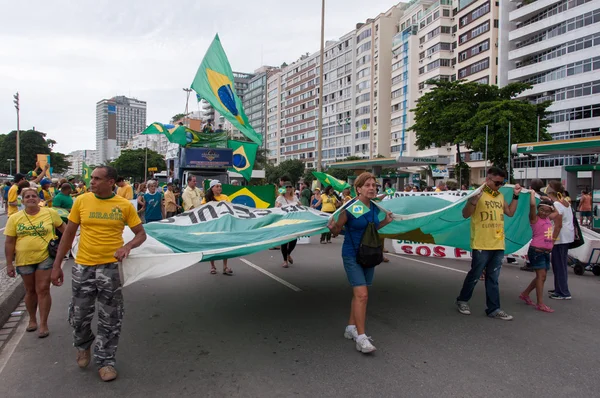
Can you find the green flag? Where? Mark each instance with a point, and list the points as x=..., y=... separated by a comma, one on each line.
x=257, y=196
x=176, y=134
x=358, y=209
x=327, y=180
x=244, y=156
x=86, y=174
x=214, y=82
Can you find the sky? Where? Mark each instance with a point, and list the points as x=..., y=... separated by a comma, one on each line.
x=63, y=57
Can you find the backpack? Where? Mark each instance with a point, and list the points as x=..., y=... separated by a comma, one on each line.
x=370, y=250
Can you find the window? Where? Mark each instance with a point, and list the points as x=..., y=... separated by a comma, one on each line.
x=446, y=12
x=363, y=35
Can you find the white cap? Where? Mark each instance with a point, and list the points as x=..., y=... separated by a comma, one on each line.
x=214, y=182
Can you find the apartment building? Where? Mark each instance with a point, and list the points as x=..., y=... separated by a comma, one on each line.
x=555, y=46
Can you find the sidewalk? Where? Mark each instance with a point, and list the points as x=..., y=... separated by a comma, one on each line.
x=12, y=292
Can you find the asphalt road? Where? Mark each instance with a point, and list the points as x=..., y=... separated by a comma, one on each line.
x=196, y=334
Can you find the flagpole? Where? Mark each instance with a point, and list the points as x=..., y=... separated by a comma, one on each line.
x=486, y=148
x=537, y=158
x=320, y=131
x=509, y=151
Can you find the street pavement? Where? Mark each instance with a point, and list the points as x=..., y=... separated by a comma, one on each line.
x=193, y=334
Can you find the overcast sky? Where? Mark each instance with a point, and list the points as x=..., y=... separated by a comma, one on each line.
x=64, y=56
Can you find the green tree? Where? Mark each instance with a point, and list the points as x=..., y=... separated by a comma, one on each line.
x=308, y=176
x=178, y=117
x=32, y=143
x=272, y=173
x=292, y=168
x=131, y=163
x=261, y=158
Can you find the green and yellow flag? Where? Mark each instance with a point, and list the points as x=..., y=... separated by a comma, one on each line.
x=244, y=156
x=214, y=82
x=327, y=180
x=86, y=174
x=175, y=134
x=259, y=196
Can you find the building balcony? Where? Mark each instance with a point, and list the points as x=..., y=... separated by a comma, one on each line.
x=529, y=8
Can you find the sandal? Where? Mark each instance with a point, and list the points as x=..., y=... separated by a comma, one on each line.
x=544, y=308
x=31, y=328
x=213, y=271
x=526, y=299
x=386, y=260
x=43, y=335
x=228, y=271
x=285, y=265
x=290, y=259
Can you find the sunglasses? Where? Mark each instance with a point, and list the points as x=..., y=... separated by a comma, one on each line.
x=499, y=183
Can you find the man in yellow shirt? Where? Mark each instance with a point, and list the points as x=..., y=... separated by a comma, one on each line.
x=101, y=217
x=487, y=210
x=13, y=195
x=192, y=196
x=124, y=190
x=170, y=201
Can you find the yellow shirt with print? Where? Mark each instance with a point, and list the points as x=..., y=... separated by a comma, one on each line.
x=328, y=202
x=33, y=234
x=487, y=223
x=219, y=198
x=102, y=222
x=125, y=192
x=13, y=197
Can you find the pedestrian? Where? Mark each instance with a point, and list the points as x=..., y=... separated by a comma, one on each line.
x=171, y=205
x=63, y=199
x=215, y=194
x=305, y=195
x=544, y=234
x=192, y=196
x=560, y=251
x=329, y=205
x=124, y=190
x=5, y=190
x=28, y=233
x=44, y=193
x=286, y=199
x=346, y=195
x=315, y=201
x=13, y=196
x=152, y=203
x=487, y=209
x=441, y=186
x=585, y=208
x=360, y=278
x=101, y=217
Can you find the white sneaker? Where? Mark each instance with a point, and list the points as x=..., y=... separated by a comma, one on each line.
x=364, y=345
x=351, y=334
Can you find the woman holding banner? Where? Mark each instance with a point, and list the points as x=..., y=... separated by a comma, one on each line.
x=329, y=204
x=356, y=217
x=285, y=199
x=215, y=194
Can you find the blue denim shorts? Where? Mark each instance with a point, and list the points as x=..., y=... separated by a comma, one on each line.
x=538, y=260
x=30, y=269
x=357, y=275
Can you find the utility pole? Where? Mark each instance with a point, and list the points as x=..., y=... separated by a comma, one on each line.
x=537, y=158
x=17, y=107
x=10, y=163
x=509, y=157
x=320, y=131
x=486, y=148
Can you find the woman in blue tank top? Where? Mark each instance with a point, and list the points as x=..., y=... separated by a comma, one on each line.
x=360, y=278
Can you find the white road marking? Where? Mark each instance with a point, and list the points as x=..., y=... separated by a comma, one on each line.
x=425, y=262
x=270, y=275
x=2, y=229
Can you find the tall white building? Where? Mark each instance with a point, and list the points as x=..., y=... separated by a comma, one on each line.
x=117, y=120
x=155, y=142
x=555, y=46
x=77, y=158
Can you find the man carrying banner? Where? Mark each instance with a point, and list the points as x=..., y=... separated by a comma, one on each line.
x=101, y=217
x=487, y=210
x=192, y=196
x=171, y=205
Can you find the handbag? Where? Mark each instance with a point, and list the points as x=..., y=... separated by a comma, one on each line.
x=52, y=244
x=578, y=235
x=370, y=249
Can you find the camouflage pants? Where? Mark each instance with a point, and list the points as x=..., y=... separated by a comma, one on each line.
x=101, y=282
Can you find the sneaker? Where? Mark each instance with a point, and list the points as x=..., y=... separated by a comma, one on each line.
x=463, y=308
x=502, y=315
x=555, y=296
x=351, y=334
x=83, y=358
x=108, y=373
x=364, y=345
x=551, y=291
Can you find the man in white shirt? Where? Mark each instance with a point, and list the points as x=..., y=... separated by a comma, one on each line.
x=192, y=196
x=566, y=236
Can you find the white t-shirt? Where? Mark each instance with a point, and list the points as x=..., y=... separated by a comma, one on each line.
x=284, y=202
x=567, y=232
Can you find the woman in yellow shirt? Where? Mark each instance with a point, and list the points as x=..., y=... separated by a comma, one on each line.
x=28, y=233
x=215, y=194
x=329, y=205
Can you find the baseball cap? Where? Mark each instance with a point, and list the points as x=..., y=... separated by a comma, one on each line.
x=45, y=181
x=214, y=182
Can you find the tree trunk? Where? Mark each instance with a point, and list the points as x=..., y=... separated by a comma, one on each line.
x=459, y=165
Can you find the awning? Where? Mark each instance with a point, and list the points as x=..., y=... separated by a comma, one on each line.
x=404, y=161
x=576, y=146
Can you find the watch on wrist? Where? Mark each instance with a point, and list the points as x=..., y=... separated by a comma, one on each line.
x=515, y=196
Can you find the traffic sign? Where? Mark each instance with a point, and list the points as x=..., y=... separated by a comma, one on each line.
x=152, y=168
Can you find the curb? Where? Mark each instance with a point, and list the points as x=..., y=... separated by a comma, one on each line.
x=10, y=298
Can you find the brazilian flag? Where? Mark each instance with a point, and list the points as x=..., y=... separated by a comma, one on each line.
x=244, y=156
x=175, y=134
x=327, y=180
x=86, y=174
x=214, y=82
x=259, y=197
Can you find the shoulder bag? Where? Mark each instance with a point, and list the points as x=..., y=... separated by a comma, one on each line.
x=370, y=249
x=52, y=243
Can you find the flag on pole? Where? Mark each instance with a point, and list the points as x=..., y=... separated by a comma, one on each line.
x=86, y=174
x=175, y=134
x=244, y=156
x=214, y=82
x=327, y=180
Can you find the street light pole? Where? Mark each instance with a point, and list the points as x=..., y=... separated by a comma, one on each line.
x=486, y=148
x=537, y=158
x=509, y=157
x=320, y=131
x=17, y=107
x=10, y=164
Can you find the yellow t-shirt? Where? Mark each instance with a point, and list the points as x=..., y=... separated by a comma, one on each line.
x=220, y=198
x=13, y=197
x=32, y=234
x=125, y=192
x=102, y=222
x=487, y=223
x=328, y=202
